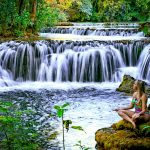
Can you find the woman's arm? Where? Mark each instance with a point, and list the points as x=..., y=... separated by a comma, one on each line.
x=125, y=108
x=128, y=107
x=144, y=104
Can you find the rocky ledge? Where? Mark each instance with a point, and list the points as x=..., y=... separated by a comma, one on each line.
x=121, y=135
x=127, y=84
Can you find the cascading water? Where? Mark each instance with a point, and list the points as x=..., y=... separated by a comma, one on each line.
x=88, y=61
x=144, y=64
x=90, y=31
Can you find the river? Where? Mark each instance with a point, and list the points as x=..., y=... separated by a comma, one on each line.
x=82, y=65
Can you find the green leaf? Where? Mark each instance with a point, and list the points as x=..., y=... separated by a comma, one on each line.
x=65, y=105
x=67, y=121
x=145, y=127
x=77, y=128
x=57, y=107
x=60, y=113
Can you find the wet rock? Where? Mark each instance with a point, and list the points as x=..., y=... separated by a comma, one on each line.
x=143, y=128
x=127, y=84
x=121, y=136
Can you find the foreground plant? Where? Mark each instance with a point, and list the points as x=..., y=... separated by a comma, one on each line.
x=16, y=131
x=82, y=147
x=65, y=123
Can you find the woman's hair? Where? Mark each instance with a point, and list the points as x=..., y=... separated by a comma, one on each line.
x=141, y=86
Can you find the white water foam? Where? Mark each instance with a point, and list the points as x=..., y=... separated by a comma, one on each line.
x=73, y=37
x=57, y=85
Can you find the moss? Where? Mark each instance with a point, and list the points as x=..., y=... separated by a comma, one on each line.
x=121, y=140
x=127, y=83
x=122, y=125
x=121, y=136
x=143, y=129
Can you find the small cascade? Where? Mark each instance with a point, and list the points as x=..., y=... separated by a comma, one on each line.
x=94, y=31
x=144, y=64
x=83, y=61
x=108, y=25
x=95, y=64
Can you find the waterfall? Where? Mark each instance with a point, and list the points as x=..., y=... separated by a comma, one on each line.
x=94, y=64
x=93, y=31
x=144, y=64
x=80, y=61
x=82, y=53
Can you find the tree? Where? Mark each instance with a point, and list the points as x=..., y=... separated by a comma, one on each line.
x=121, y=10
x=25, y=17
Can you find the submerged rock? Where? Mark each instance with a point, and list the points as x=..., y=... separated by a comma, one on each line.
x=121, y=136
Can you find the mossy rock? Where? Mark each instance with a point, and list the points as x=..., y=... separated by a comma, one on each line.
x=122, y=125
x=127, y=84
x=143, y=129
x=110, y=139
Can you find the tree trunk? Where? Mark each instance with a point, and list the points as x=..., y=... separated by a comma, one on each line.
x=20, y=6
x=33, y=10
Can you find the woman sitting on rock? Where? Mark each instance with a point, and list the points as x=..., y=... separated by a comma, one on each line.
x=139, y=102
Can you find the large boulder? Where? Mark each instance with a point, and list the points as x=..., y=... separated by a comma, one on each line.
x=127, y=84
x=122, y=136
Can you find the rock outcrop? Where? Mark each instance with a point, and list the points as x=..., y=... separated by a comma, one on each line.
x=122, y=136
x=127, y=84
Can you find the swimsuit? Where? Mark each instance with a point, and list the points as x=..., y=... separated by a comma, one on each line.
x=138, y=106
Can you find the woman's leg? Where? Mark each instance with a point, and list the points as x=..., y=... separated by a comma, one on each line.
x=127, y=115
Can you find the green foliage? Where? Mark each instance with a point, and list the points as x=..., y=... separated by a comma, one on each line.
x=47, y=16
x=26, y=17
x=110, y=10
x=60, y=113
x=79, y=10
x=82, y=147
x=145, y=27
x=65, y=123
x=85, y=8
x=61, y=109
x=16, y=131
x=78, y=128
x=145, y=130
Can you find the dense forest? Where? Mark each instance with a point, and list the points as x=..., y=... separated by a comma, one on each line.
x=25, y=17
